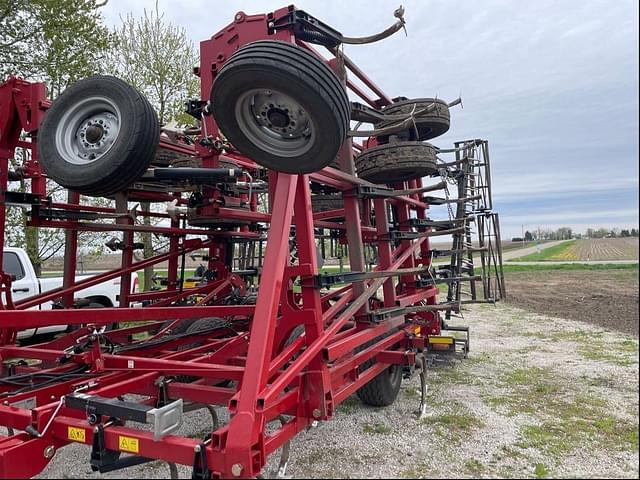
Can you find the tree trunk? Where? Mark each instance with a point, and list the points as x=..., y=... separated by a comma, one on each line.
x=32, y=247
x=147, y=241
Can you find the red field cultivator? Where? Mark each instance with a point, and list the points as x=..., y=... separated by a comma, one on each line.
x=269, y=185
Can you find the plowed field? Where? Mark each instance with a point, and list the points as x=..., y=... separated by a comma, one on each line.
x=604, y=249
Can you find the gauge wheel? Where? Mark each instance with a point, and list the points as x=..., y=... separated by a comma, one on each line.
x=397, y=162
x=281, y=106
x=430, y=122
x=98, y=136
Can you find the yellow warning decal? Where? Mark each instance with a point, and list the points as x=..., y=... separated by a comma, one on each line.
x=128, y=444
x=445, y=340
x=76, y=434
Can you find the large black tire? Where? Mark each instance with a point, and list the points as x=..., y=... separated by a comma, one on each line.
x=382, y=390
x=180, y=327
x=207, y=323
x=281, y=106
x=429, y=125
x=196, y=326
x=205, y=221
x=168, y=158
x=323, y=203
x=397, y=162
x=94, y=304
x=98, y=137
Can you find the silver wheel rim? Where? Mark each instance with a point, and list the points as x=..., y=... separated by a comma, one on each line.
x=88, y=130
x=275, y=123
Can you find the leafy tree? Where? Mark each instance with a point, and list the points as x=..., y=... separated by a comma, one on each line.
x=563, y=233
x=157, y=58
x=58, y=42
x=19, y=26
x=601, y=233
x=528, y=236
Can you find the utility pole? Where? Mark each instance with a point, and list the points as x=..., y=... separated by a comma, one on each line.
x=523, y=242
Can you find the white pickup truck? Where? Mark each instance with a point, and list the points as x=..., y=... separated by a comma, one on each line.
x=26, y=284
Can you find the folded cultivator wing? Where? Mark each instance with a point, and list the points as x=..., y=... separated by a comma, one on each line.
x=265, y=190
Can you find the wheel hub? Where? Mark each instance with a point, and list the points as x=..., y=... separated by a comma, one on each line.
x=275, y=122
x=279, y=118
x=94, y=133
x=88, y=130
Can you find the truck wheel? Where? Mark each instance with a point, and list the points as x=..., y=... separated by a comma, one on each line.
x=281, y=106
x=382, y=390
x=180, y=327
x=197, y=326
x=397, y=162
x=208, y=323
x=428, y=125
x=323, y=203
x=98, y=137
x=109, y=327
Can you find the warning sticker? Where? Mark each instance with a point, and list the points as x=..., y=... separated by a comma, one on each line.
x=76, y=434
x=128, y=444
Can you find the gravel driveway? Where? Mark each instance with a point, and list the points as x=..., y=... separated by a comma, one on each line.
x=537, y=397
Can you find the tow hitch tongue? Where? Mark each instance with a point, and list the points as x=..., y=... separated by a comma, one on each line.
x=165, y=420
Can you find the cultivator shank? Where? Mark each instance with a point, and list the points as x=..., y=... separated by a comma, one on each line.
x=267, y=191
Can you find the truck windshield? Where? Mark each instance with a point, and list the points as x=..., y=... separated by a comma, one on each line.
x=11, y=265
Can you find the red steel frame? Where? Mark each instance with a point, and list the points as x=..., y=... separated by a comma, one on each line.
x=303, y=380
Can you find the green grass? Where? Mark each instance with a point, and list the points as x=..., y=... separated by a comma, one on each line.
x=581, y=423
x=570, y=266
x=507, y=269
x=591, y=346
x=603, y=353
x=547, y=254
x=566, y=420
x=350, y=405
x=454, y=426
x=541, y=471
x=474, y=467
x=377, y=428
x=411, y=392
x=448, y=375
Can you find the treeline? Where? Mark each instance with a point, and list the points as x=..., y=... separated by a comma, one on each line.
x=566, y=233
x=563, y=233
x=62, y=41
x=613, y=233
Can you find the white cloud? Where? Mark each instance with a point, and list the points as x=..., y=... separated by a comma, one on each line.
x=537, y=184
x=552, y=85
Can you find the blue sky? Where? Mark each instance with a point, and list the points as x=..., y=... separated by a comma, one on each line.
x=552, y=85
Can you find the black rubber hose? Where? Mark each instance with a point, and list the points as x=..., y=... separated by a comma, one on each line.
x=314, y=36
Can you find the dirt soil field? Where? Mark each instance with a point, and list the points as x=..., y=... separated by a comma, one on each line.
x=507, y=411
x=605, y=249
x=607, y=298
x=596, y=249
